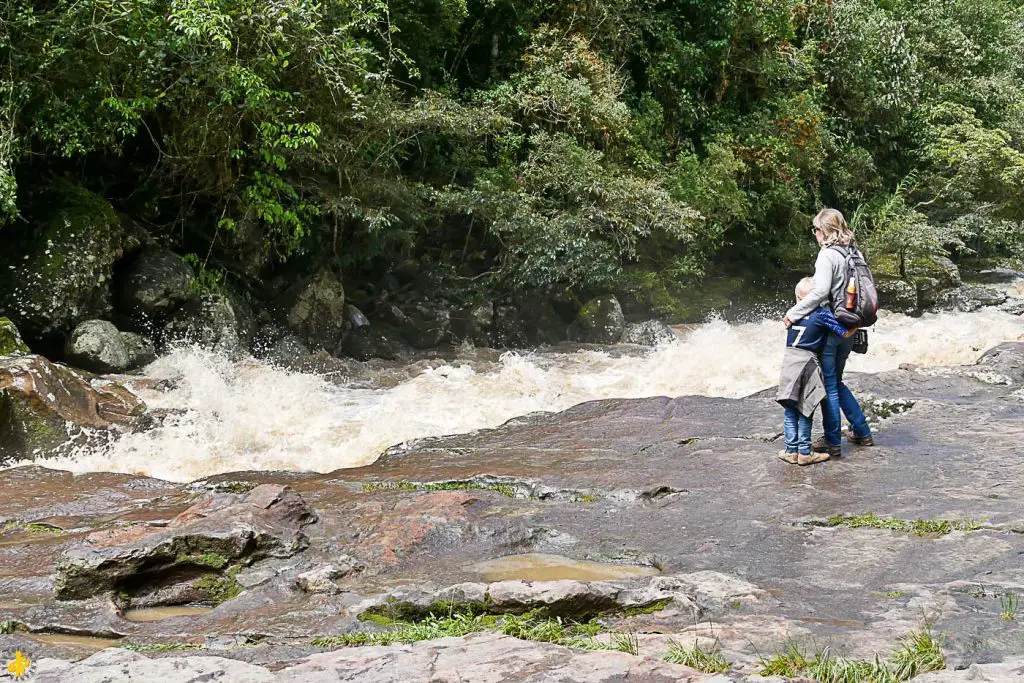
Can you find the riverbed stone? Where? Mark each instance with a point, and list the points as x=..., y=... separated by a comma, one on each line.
x=140, y=350
x=969, y=297
x=65, y=266
x=429, y=324
x=648, y=333
x=474, y=323
x=317, y=313
x=220, y=529
x=323, y=579
x=365, y=343
x=354, y=318
x=155, y=282
x=600, y=321
x=1013, y=306
x=210, y=321
x=97, y=346
x=897, y=295
x=44, y=407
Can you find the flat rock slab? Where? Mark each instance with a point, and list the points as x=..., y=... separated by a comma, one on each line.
x=484, y=658
x=220, y=528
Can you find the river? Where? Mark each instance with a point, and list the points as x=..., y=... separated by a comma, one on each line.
x=250, y=416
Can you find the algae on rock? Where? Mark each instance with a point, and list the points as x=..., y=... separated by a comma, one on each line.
x=10, y=339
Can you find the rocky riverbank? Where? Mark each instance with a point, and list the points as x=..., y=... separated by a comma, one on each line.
x=645, y=527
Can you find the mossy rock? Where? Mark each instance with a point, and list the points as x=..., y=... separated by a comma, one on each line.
x=10, y=339
x=26, y=432
x=600, y=321
x=59, y=272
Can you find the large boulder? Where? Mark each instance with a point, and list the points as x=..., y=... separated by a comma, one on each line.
x=897, y=295
x=219, y=530
x=139, y=349
x=969, y=298
x=474, y=323
x=44, y=406
x=317, y=313
x=57, y=274
x=939, y=268
x=10, y=339
x=429, y=324
x=155, y=283
x=278, y=346
x=648, y=333
x=600, y=321
x=210, y=321
x=366, y=342
x=509, y=329
x=97, y=346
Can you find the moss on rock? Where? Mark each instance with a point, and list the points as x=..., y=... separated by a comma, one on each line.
x=10, y=339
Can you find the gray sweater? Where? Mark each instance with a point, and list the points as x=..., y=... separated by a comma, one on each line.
x=829, y=284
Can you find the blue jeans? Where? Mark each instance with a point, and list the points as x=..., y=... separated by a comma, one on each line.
x=797, y=429
x=837, y=396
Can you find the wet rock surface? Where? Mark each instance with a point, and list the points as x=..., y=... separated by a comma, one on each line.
x=924, y=529
x=155, y=282
x=45, y=407
x=97, y=346
x=212, y=321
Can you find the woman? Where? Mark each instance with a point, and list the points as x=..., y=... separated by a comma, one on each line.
x=830, y=230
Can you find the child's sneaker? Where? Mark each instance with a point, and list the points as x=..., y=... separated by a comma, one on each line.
x=788, y=457
x=812, y=458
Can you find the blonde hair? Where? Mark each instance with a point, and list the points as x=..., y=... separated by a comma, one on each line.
x=804, y=287
x=834, y=229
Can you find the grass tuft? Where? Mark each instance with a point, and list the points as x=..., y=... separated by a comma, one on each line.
x=159, y=647
x=920, y=527
x=710, y=661
x=503, y=489
x=29, y=527
x=530, y=626
x=1008, y=606
x=919, y=652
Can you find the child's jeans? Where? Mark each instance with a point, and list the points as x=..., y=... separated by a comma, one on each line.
x=797, y=429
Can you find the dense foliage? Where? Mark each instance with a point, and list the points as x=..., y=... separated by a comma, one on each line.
x=521, y=144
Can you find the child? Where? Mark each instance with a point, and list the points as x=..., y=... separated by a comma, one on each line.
x=801, y=388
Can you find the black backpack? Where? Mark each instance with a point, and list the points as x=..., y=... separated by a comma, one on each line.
x=858, y=308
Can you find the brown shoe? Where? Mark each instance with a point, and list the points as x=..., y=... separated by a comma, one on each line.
x=812, y=459
x=859, y=440
x=786, y=456
x=822, y=446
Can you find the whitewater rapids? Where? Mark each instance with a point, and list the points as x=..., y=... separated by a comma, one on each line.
x=250, y=416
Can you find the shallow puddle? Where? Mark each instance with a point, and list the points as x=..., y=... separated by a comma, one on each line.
x=71, y=640
x=542, y=567
x=147, y=614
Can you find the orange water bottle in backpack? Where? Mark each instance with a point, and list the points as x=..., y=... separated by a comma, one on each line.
x=851, y=295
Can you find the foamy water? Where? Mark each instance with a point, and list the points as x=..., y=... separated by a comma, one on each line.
x=244, y=416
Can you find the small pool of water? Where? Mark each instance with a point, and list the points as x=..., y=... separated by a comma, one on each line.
x=543, y=567
x=147, y=614
x=71, y=640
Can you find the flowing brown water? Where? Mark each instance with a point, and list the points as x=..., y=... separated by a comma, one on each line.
x=250, y=416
